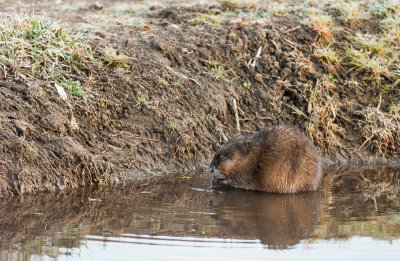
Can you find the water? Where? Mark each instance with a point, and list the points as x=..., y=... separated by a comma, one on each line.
x=180, y=217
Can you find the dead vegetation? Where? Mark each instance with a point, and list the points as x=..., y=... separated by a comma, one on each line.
x=381, y=131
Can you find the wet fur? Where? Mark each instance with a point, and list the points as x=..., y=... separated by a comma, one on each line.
x=277, y=159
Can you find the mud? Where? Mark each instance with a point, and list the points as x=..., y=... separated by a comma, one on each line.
x=168, y=111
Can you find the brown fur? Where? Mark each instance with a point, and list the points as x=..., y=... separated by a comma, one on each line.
x=277, y=159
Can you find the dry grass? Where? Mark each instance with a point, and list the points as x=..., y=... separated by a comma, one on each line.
x=32, y=46
x=390, y=25
x=330, y=56
x=185, y=150
x=381, y=131
x=352, y=13
x=324, y=25
x=238, y=4
x=323, y=128
x=365, y=61
x=113, y=58
x=374, y=55
x=280, y=8
x=205, y=19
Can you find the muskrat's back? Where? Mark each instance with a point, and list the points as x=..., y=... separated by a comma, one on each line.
x=277, y=159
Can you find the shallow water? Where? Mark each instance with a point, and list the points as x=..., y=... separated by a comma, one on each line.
x=180, y=217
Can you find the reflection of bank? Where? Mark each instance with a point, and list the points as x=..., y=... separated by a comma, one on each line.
x=360, y=201
x=278, y=220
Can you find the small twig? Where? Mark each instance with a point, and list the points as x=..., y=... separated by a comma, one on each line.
x=293, y=29
x=241, y=112
x=253, y=64
x=141, y=138
x=365, y=142
x=291, y=43
x=113, y=147
x=196, y=82
x=276, y=46
x=134, y=136
x=236, y=114
x=256, y=118
x=177, y=73
x=346, y=119
x=380, y=101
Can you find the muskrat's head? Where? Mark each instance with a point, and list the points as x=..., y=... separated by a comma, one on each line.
x=233, y=161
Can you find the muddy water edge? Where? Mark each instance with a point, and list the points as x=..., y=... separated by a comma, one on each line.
x=356, y=208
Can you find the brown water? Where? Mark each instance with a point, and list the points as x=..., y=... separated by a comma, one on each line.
x=180, y=217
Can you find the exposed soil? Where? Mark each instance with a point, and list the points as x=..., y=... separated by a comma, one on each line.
x=166, y=111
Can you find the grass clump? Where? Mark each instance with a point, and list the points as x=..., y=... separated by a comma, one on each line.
x=217, y=70
x=376, y=45
x=143, y=101
x=323, y=25
x=364, y=61
x=230, y=4
x=162, y=82
x=171, y=127
x=280, y=8
x=32, y=46
x=204, y=19
x=384, y=7
x=112, y=58
x=330, y=56
x=74, y=87
x=171, y=81
x=390, y=25
x=351, y=13
x=219, y=73
x=178, y=84
x=238, y=4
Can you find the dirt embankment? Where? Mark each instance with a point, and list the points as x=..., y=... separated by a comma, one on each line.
x=171, y=107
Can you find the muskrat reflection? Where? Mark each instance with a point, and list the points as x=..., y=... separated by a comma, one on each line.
x=277, y=220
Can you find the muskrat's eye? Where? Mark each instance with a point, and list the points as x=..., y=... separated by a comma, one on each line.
x=222, y=158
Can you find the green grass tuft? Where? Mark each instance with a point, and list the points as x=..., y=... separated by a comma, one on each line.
x=143, y=101
x=74, y=87
x=171, y=127
x=32, y=46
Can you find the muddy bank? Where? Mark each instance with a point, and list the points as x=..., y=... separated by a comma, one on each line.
x=170, y=107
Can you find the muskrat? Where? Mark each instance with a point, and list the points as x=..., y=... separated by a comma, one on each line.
x=277, y=159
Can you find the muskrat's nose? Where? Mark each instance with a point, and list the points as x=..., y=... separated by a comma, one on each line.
x=210, y=169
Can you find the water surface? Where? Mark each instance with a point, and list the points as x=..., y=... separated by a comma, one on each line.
x=180, y=217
